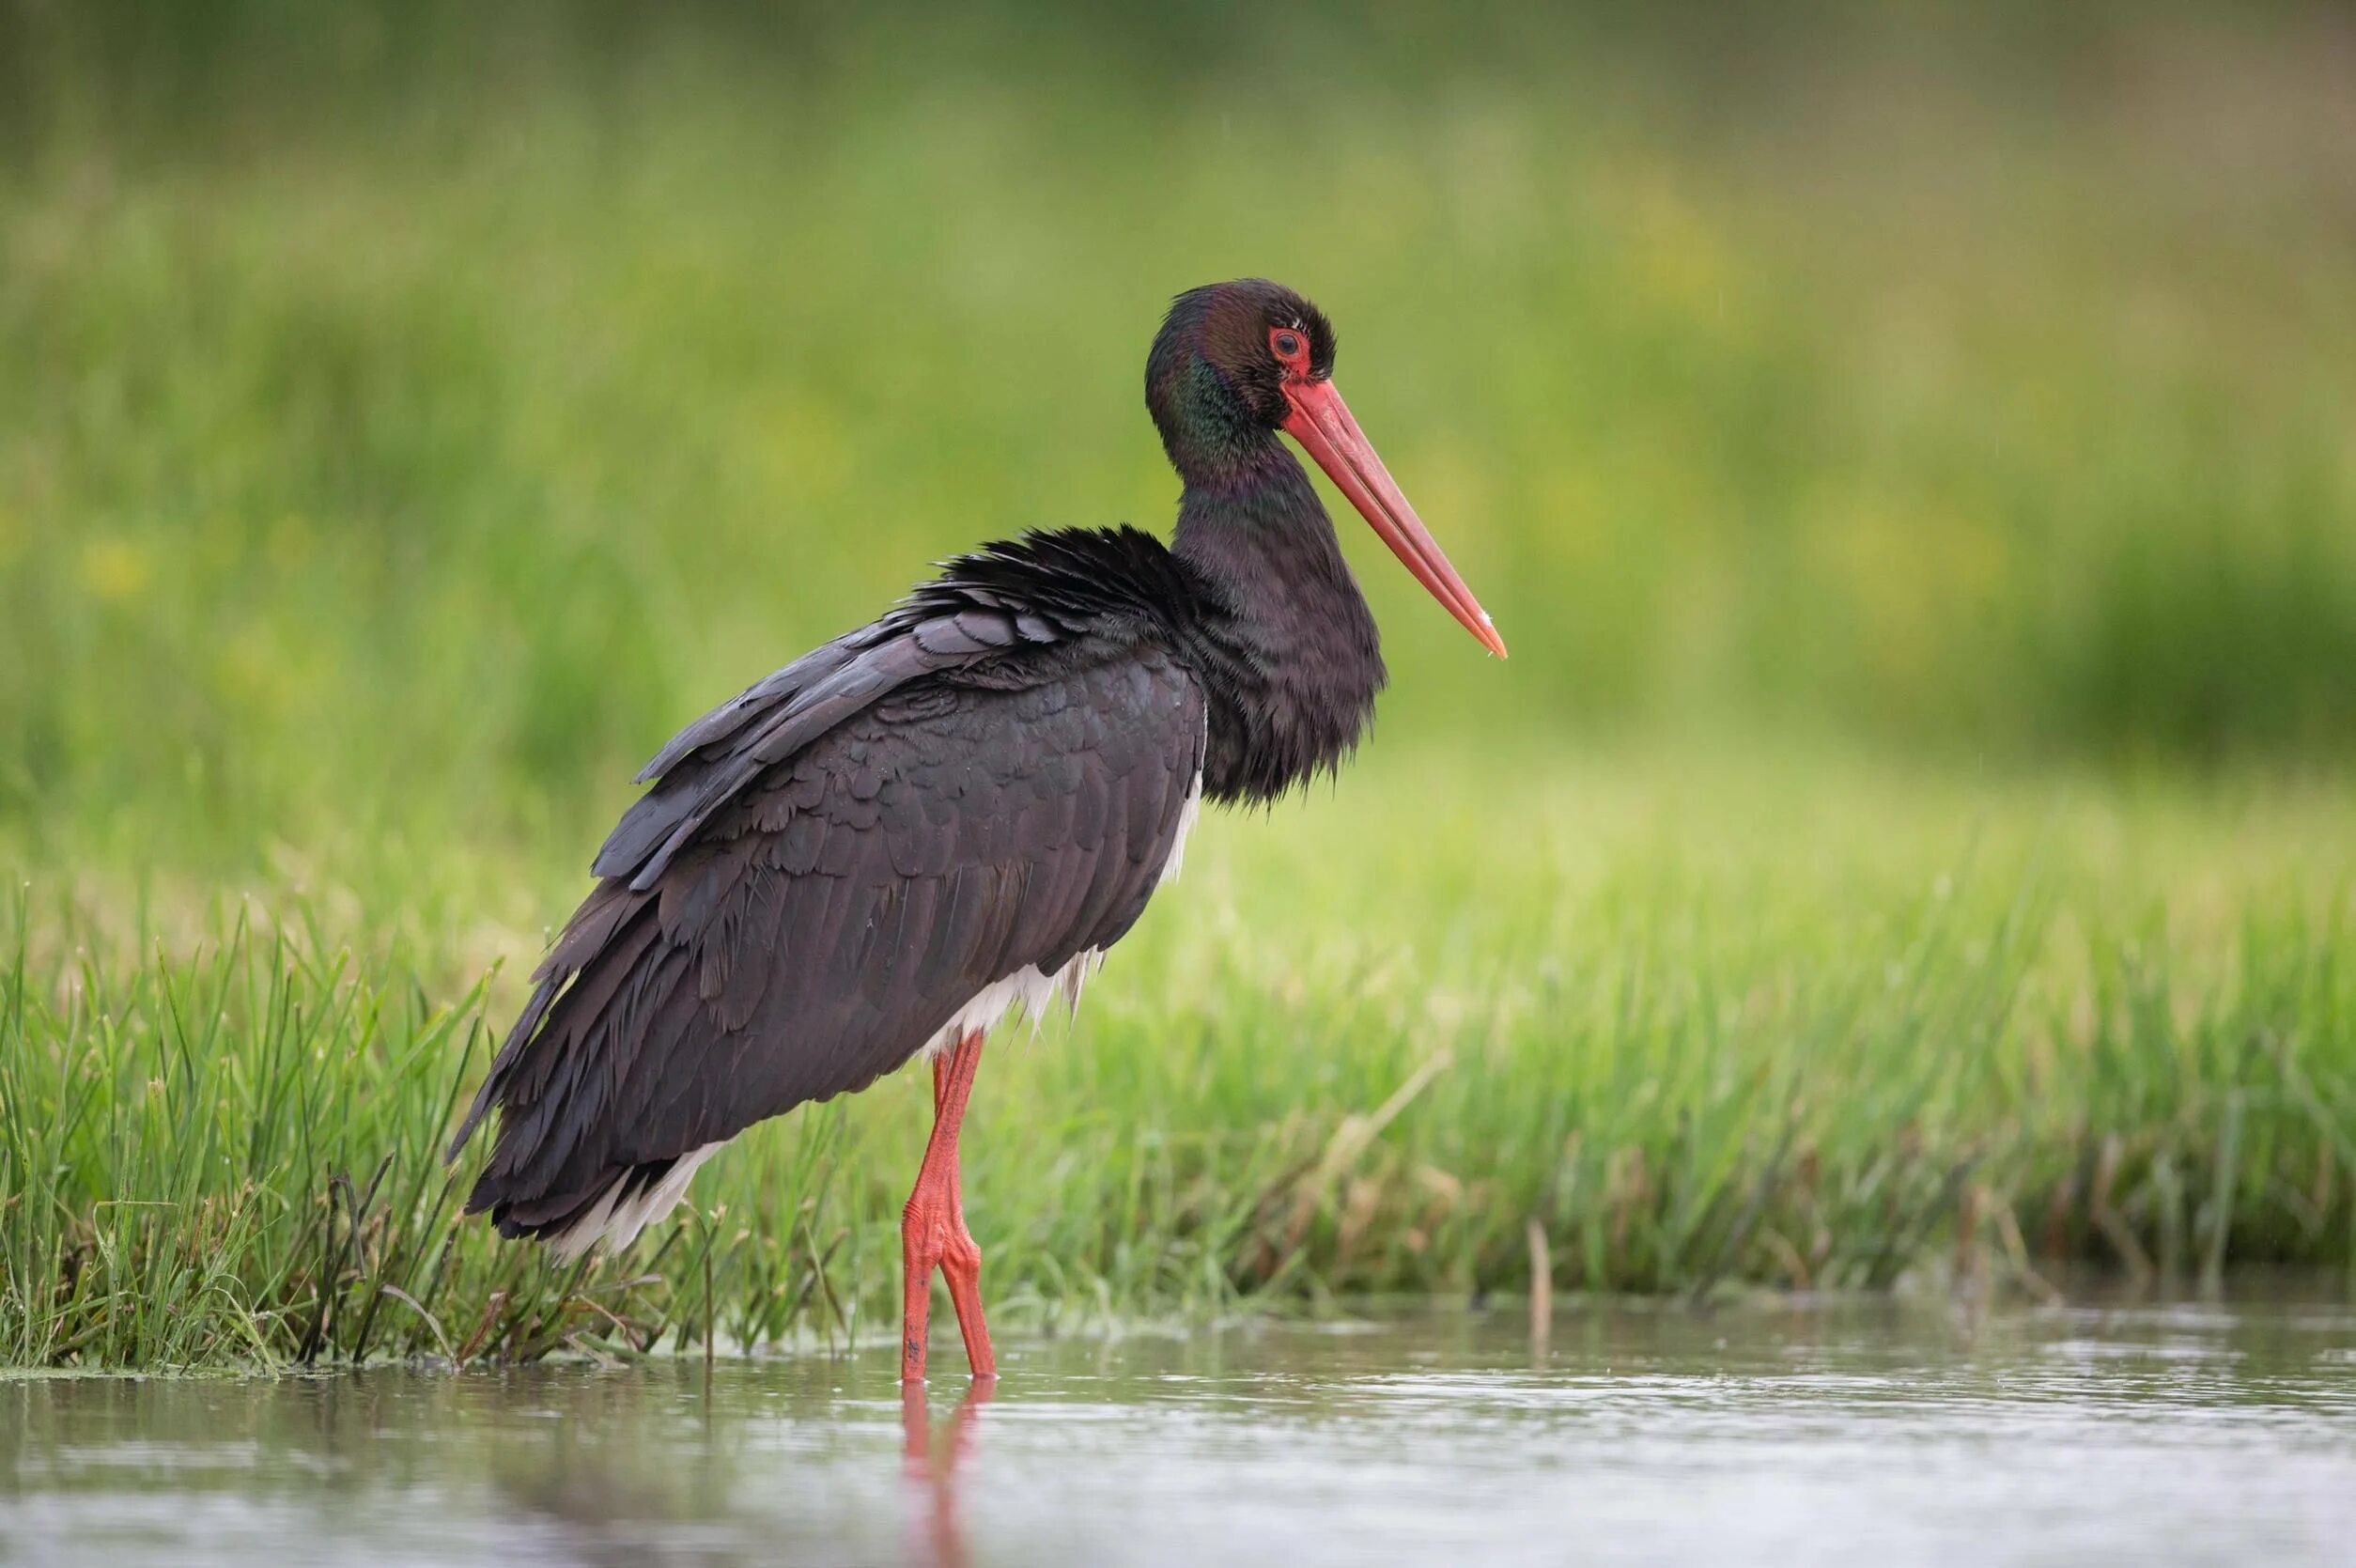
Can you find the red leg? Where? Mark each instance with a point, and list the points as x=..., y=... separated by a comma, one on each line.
x=933, y=1227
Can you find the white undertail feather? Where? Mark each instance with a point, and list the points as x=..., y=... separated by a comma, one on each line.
x=1026, y=989
x=618, y=1224
x=1186, y=813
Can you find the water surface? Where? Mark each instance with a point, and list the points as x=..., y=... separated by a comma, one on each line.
x=1924, y=1433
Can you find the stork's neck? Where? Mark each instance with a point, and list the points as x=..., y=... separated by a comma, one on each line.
x=1286, y=645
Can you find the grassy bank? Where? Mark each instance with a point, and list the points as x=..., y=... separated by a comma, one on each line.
x=1818, y=1025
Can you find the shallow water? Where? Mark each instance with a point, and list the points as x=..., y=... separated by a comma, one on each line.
x=2183, y=1433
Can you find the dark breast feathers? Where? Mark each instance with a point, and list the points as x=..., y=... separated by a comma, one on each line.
x=985, y=784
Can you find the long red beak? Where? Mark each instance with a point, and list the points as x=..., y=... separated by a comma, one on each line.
x=1321, y=422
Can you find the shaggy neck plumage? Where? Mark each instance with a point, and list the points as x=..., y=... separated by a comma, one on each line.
x=1285, y=647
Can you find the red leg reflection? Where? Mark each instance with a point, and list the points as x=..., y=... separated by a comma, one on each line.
x=942, y=1539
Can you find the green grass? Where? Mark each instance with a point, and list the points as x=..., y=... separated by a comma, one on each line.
x=1911, y=461
x=1693, y=1023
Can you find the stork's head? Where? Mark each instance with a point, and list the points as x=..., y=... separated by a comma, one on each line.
x=1236, y=362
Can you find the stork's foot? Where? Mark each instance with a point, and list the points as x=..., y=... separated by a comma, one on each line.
x=933, y=1232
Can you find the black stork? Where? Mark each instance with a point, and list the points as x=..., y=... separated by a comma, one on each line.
x=876, y=852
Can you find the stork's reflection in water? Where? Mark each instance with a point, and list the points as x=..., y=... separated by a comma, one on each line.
x=933, y=1461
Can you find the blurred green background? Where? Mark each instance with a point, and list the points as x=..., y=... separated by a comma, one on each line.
x=410, y=412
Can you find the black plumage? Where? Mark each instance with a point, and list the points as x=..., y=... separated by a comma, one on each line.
x=987, y=782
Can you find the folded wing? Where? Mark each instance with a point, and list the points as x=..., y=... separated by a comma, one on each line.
x=828, y=869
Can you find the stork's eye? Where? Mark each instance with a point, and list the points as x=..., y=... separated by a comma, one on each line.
x=1290, y=348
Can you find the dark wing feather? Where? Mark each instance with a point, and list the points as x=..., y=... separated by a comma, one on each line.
x=830, y=866
x=712, y=759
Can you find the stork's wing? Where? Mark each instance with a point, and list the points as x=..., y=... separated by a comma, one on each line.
x=832, y=868
x=719, y=755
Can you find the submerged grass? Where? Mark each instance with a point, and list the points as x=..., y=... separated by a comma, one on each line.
x=1919, y=1029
